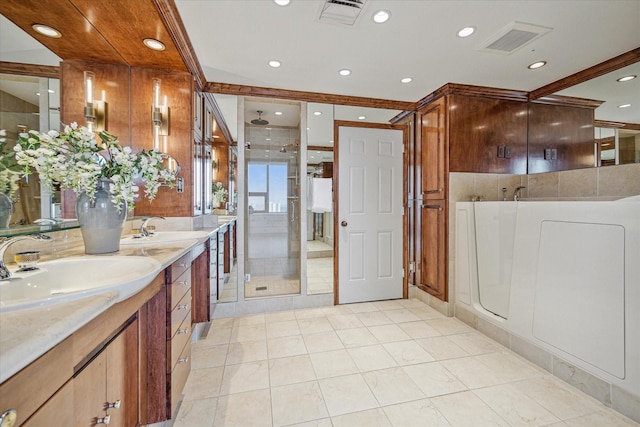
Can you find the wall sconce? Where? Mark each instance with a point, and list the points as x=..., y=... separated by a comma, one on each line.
x=95, y=111
x=159, y=115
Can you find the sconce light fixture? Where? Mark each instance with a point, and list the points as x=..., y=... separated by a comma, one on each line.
x=95, y=110
x=159, y=114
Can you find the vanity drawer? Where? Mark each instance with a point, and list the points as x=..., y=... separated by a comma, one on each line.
x=181, y=311
x=179, y=376
x=177, y=290
x=178, y=342
x=176, y=269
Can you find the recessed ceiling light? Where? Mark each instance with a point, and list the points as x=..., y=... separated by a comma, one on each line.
x=47, y=31
x=624, y=105
x=381, y=16
x=274, y=63
x=626, y=78
x=154, y=44
x=362, y=117
x=466, y=31
x=317, y=113
x=345, y=72
x=278, y=113
x=537, y=65
x=282, y=2
x=406, y=80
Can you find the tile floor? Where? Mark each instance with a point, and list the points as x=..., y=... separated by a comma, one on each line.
x=389, y=363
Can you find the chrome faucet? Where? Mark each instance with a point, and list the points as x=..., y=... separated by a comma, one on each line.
x=143, y=228
x=516, y=194
x=5, y=274
x=48, y=221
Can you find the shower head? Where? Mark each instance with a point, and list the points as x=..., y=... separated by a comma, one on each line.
x=259, y=121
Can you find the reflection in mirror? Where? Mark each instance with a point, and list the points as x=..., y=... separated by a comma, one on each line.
x=29, y=103
x=619, y=115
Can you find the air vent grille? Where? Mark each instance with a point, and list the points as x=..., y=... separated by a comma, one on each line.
x=343, y=12
x=513, y=37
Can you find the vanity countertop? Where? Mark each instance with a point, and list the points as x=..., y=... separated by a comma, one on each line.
x=27, y=334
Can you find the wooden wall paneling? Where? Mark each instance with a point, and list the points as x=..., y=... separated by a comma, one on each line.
x=478, y=126
x=31, y=70
x=221, y=156
x=433, y=128
x=568, y=130
x=114, y=80
x=178, y=87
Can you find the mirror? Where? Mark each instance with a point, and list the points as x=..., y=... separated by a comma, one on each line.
x=617, y=132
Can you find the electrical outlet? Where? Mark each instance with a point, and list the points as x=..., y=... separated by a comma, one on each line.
x=501, y=151
x=507, y=152
x=547, y=153
x=247, y=277
x=554, y=153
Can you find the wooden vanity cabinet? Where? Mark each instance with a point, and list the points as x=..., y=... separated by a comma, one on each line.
x=201, y=289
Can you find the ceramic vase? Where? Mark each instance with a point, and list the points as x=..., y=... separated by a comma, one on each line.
x=101, y=222
x=6, y=209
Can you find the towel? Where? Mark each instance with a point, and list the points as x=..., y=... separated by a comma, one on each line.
x=322, y=195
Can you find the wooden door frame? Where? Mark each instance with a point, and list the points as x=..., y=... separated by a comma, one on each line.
x=336, y=192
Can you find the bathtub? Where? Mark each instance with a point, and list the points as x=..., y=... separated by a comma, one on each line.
x=564, y=276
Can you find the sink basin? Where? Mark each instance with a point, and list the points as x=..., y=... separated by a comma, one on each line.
x=72, y=278
x=164, y=237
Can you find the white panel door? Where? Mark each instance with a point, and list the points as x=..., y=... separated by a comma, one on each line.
x=370, y=214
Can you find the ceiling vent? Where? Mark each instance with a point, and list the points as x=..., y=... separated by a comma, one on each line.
x=344, y=12
x=513, y=37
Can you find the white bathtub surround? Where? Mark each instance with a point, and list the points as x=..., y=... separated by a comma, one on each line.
x=572, y=295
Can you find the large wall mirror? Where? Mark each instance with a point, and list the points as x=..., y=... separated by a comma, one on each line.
x=617, y=131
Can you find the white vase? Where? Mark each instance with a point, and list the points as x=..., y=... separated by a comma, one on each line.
x=6, y=210
x=101, y=222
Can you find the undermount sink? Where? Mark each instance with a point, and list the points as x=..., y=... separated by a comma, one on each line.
x=73, y=278
x=164, y=237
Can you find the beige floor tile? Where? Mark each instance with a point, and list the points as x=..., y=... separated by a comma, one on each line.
x=419, y=329
x=514, y=406
x=248, y=351
x=401, y=315
x=282, y=329
x=370, y=418
x=600, y=419
x=244, y=409
x=199, y=413
x=346, y=394
x=226, y=322
x=475, y=343
x=442, y=348
x=255, y=319
x=450, y=326
x=314, y=325
x=374, y=318
x=419, y=413
x=217, y=336
x=309, y=313
x=557, y=397
x=388, y=333
x=296, y=403
x=412, y=303
x=407, y=353
x=208, y=357
x=467, y=409
x=333, y=363
x=249, y=333
x=245, y=377
x=325, y=422
x=203, y=383
x=472, y=372
x=344, y=321
x=391, y=386
x=279, y=316
x=510, y=367
x=323, y=341
x=356, y=337
x=363, y=307
x=371, y=358
x=291, y=370
x=427, y=313
x=433, y=379
x=286, y=346
x=387, y=305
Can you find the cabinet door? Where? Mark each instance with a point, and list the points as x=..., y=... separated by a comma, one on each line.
x=434, y=248
x=122, y=378
x=200, y=289
x=434, y=151
x=89, y=392
x=197, y=179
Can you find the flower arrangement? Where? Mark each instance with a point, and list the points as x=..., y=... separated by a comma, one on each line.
x=10, y=171
x=219, y=192
x=75, y=159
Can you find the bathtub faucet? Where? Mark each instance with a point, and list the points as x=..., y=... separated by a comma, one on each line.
x=516, y=194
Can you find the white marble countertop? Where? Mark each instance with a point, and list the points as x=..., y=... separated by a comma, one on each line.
x=26, y=335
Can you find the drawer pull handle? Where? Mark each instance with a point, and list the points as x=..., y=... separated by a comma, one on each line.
x=183, y=360
x=183, y=330
x=8, y=418
x=105, y=420
x=182, y=264
x=183, y=283
x=183, y=307
x=115, y=405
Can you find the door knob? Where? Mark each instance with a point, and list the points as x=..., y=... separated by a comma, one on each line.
x=343, y=223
